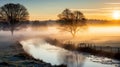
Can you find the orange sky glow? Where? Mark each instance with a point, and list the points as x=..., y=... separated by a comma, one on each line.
x=49, y=9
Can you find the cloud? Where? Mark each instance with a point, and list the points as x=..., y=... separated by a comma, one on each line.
x=111, y=8
x=107, y=9
x=98, y=10
x=112, y=3
x=85, y=9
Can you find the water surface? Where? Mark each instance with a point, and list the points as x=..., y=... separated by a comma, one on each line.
x=40, y=49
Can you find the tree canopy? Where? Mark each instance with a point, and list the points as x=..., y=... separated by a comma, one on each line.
x=69, y=17
x=13, y=13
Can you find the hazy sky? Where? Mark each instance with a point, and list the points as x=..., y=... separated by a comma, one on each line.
x=49, y=9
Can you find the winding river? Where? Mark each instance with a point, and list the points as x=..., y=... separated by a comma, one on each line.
x=40, y=49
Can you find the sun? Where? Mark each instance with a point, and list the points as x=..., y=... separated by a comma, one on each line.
x=116, y=15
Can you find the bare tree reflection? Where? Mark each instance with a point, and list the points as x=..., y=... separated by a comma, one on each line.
x=71, y=21
x=72, y=59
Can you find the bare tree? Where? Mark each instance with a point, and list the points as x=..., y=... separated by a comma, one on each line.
x=71, y=21
x=13, y=14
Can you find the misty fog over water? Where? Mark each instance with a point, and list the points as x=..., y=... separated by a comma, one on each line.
x=33, y=41
x=100, y=35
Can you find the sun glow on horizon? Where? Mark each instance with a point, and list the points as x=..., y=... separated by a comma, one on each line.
x=116, y=14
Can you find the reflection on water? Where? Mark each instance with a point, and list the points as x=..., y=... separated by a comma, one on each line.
x=40, y=49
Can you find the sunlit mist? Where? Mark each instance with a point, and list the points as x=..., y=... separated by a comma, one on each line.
x=116, y=14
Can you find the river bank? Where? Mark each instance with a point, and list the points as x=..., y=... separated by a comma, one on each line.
x=103, y=51
x=15, y=56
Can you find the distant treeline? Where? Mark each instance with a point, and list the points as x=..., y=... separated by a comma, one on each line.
x=5, y=25
x=49, y=22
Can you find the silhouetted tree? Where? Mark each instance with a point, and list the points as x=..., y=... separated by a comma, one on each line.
x=13, y=14
x=71, y=21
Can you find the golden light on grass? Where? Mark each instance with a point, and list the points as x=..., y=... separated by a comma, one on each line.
x=116, y=14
